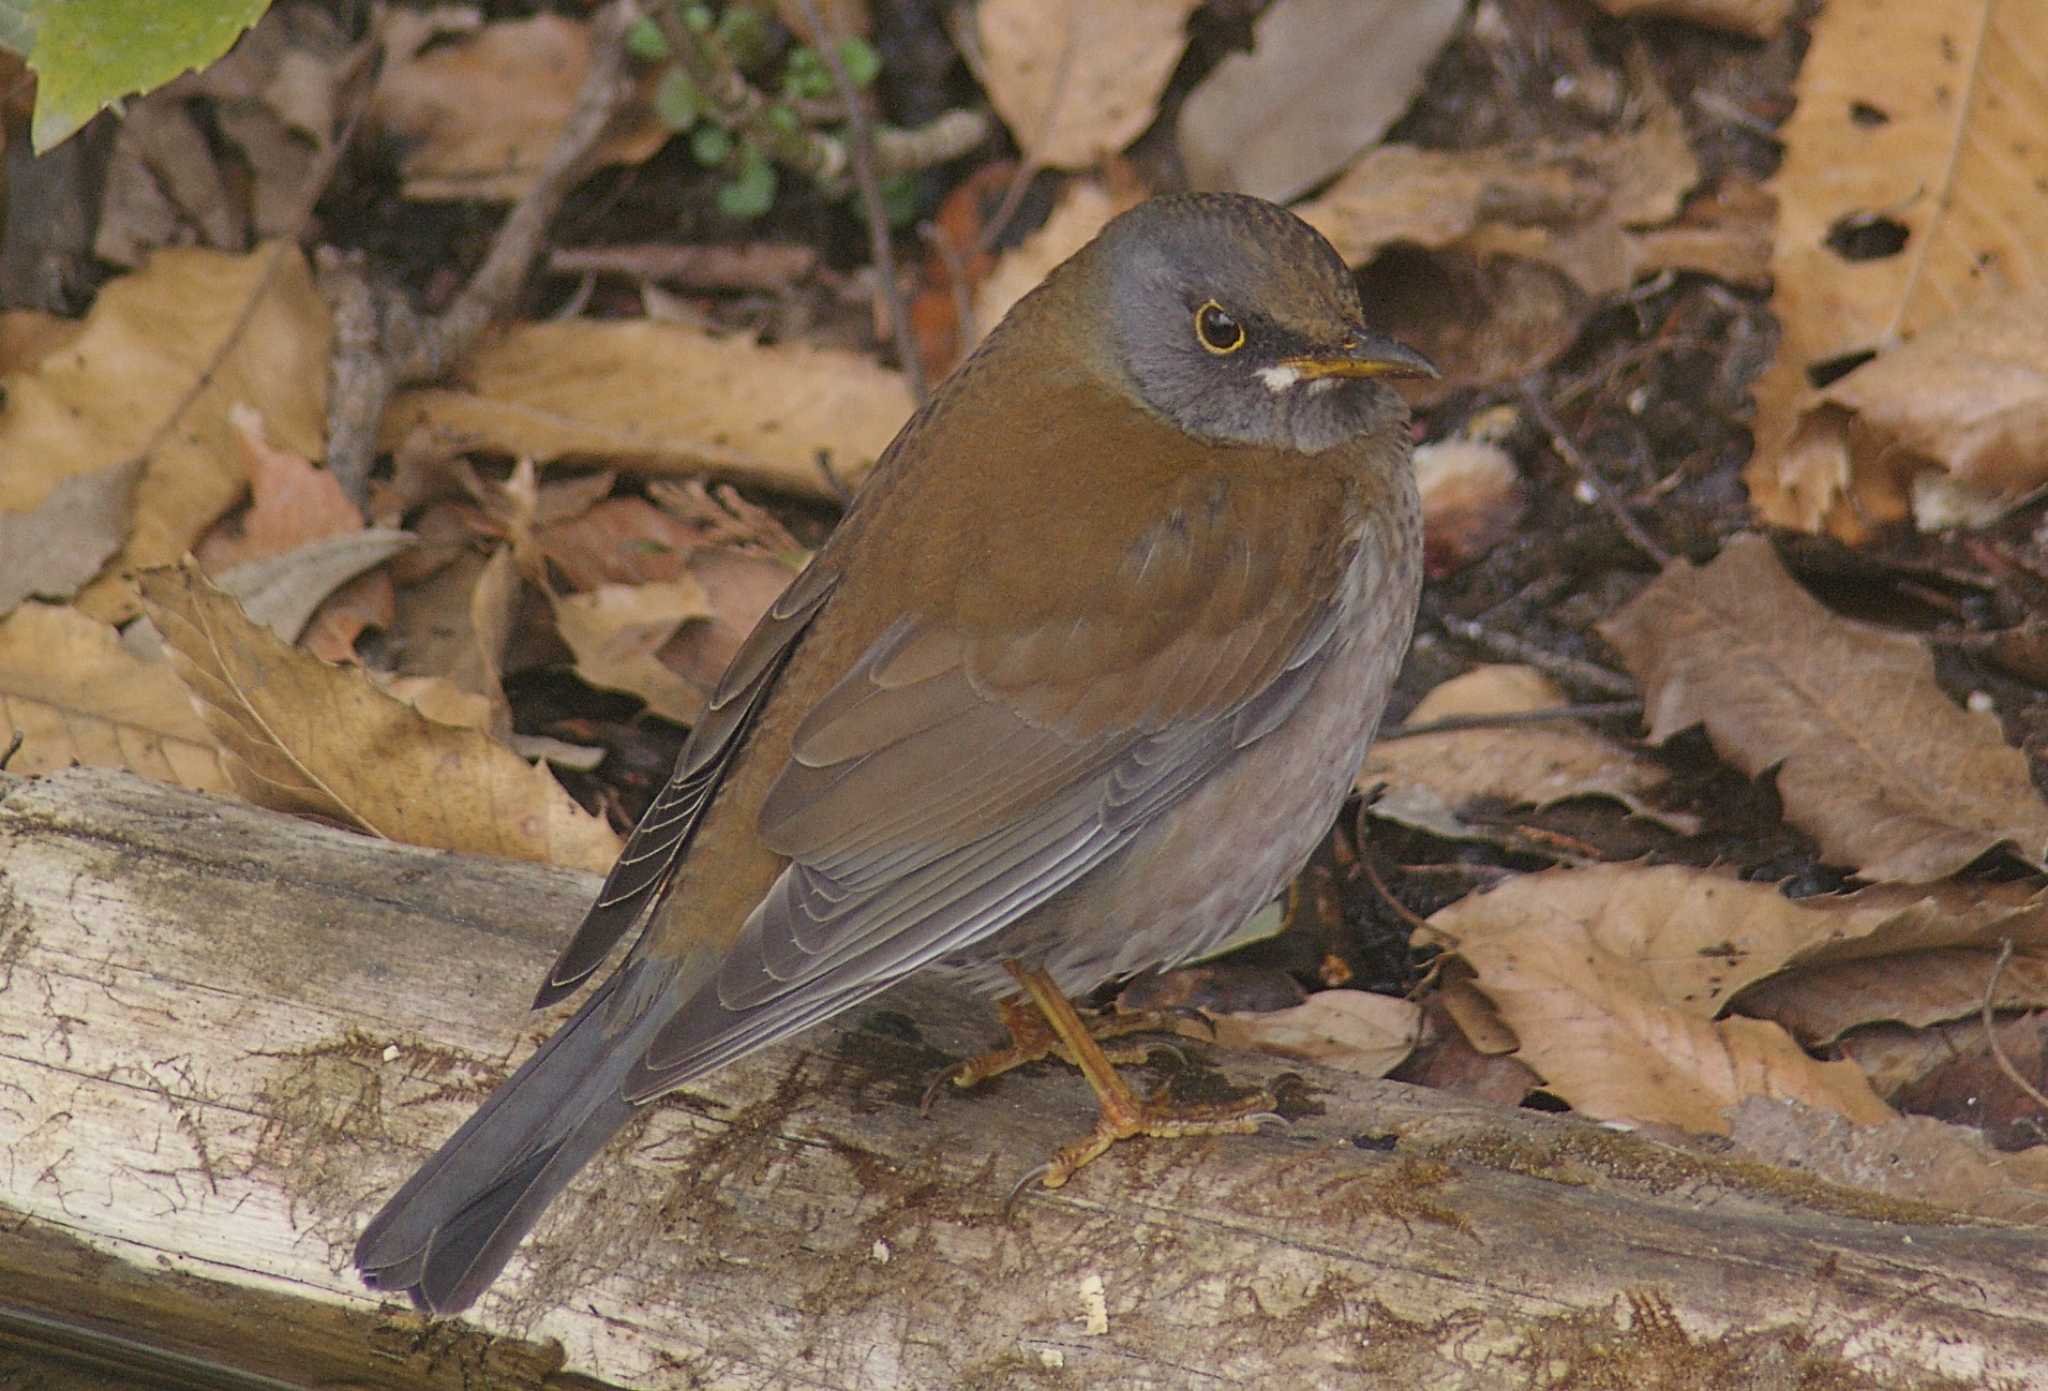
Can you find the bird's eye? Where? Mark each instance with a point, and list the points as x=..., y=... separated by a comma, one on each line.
x=1216, y=330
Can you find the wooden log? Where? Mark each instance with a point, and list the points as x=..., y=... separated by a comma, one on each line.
x=226, y=1035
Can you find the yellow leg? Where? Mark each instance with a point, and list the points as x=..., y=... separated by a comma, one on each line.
x=1123, y=1114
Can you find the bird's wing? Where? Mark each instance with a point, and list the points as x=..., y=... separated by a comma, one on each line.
x=644, y=866
x=953, y=780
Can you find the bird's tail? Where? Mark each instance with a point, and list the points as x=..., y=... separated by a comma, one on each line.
x=448, y=1232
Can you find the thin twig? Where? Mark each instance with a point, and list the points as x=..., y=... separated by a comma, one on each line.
x=1401, y=910
x=1507, y=718
x=1998, y=1056
x=1569, y=670
x=381, y=344
x=861, y=151
x=1539, y=411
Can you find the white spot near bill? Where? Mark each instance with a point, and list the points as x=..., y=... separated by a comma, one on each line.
x=1279, y=378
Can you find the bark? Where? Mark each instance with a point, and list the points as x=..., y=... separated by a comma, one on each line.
x=226, y=1035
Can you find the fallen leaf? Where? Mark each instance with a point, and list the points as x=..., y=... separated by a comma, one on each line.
x=1611, y=978
x=27, y=336
x=1076, y=80
x=290, y=502
x=475, y=109
x=1950, y=428
x=1575, y=205
x=1323, y=80
x=666, y=399
x=1910, y=193
x=1911, y=1158
x=1536, y=764
x=1349, y=1029
x=188, y=336
x=1971, y=1087
x=1893, y=778
x=55, y=546
x=300, y=735
x=1471, y=500
x=1928, y=957
x=617, y=632
x=274, y=102
x=739, y=588
x=75, y=695
x=620, y=541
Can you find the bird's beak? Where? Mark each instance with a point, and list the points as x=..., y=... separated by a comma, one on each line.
x=1363, y=354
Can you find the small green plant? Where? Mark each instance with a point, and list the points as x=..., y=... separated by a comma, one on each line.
x=792, y=79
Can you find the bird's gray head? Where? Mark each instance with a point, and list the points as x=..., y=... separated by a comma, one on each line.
x=1235, y=320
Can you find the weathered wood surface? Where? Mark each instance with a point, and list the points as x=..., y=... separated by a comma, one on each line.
x=226, y=1035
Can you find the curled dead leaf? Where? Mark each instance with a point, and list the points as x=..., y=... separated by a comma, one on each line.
x=297, y=734
x=1891, y=776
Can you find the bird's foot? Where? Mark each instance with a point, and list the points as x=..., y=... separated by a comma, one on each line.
x=1125, y=1117
x=1033, y=1039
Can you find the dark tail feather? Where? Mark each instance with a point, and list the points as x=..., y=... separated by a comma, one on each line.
x=445, y=1236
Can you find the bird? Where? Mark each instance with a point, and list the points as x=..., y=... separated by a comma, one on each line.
x=1074, y=688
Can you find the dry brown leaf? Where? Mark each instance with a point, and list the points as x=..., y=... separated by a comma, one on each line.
x=27, y=336
x=1916, y=121
x=1323, y=80
x=300, y=735
x=187, y=337
x=75, y=695
x=296, y=557
x=1759, y=19
x=1535, y=764
x=1972, y=1087
x=1909, y=1157
x=1695, y=939
x=1076, y=80
x=622, y=540
x=1575, y=205
x=290, y=502
x=54, y=547
x=617, y=632
x=1916, y=988
x=475, y=109
x=1950, y=427
x=665, y=398
x=1610, y=977
x=1471, y=500
x=1350, y=1029
x=275, y=100
x=454, y=624
x=1927, y=958
x=1891, y=777
x=740, y=587
x=440, y=700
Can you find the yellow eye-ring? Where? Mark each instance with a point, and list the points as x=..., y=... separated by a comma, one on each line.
x=1216, y=330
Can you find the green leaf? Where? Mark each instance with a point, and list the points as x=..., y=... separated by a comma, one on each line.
x=710, y=145
x=863, y=65
x=752, y=190
x=698, y=18
x=783, y=118
x=900, y=198
x=677, y=101
x=644, y=41
x=88, y=54
x=805, y=76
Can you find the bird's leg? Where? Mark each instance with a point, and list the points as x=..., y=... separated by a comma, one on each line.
x=1033, y=1039
x=1123, y=1114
